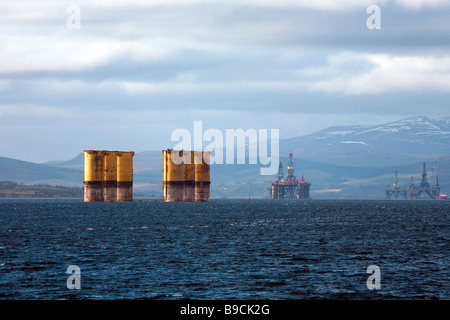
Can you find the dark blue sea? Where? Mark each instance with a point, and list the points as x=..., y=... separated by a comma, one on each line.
x=225, y=249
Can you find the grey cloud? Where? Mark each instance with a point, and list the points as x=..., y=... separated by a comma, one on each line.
x=222, y=64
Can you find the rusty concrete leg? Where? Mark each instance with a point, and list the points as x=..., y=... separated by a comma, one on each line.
x=93, y=191
x=124, y=191
x=173, y=191
x=110, y=191
x=189, y=191
x=202, y=191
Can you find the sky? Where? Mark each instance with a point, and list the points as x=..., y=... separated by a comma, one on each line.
x=123, y=75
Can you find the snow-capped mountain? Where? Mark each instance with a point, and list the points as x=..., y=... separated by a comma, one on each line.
x=411, y=137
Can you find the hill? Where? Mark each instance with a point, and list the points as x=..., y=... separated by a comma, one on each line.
x=10, y=189
x=395, y=143
x=32, y=173
x=340, y=162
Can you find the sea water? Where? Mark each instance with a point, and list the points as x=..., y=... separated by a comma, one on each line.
x=225, y=249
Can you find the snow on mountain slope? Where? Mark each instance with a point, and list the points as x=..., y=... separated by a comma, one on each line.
x=412, y=136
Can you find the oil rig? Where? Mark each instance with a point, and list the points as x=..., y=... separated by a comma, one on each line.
x=108, y=176
x=289, y=188
x=396, y=190
x=186, y=175
x=424, y=186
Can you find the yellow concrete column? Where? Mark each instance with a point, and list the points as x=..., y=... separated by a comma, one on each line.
x=173, y=177
x=125, y=176
x=110, y=176
x=202, y=175
x=93, y=175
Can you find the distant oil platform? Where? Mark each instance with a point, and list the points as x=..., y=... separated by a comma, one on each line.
x=289, y=188
x=416, y=190
x=396, y=190
x=424, y=187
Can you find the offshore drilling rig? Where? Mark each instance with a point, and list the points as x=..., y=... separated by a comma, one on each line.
x=396, y=190
x=424, y=187
x=289, y=188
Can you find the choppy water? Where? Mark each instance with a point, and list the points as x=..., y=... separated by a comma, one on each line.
x=225, y=249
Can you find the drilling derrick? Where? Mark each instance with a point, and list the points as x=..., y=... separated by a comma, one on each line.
x=291, y=176
x=280, y=172
x=436, y=190
x=289, y=188
x=396, y=190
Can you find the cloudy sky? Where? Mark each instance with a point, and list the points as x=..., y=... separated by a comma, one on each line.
x=137, y=70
